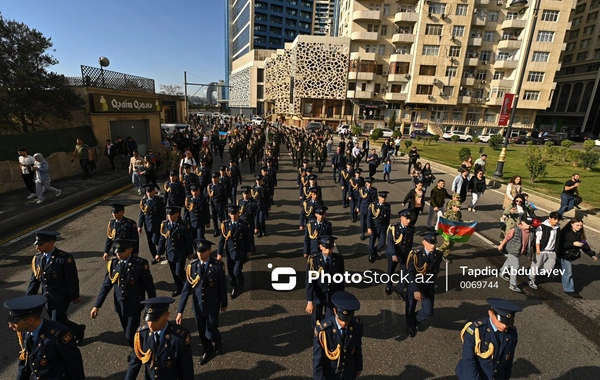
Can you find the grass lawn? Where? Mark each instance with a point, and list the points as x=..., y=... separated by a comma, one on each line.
x=552, y=184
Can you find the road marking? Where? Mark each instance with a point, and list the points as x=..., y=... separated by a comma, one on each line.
x=59, y=218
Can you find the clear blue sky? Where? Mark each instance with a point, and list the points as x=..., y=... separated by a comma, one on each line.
x=153, y=39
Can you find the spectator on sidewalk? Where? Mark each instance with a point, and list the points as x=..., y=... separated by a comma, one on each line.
x=436, y=203
x=84, y=154
x=518, y=242
x=122, y=152
x=572, y=240
x=149, y=172
x=427, y=176
x=330, y=145
x=477, y=187
x=546, y=244
x=387, y=170
x=480, y=164
x=467, y=164
x=513, y=189
x=357, y=154
x=460, y=184
x=42, y=177
x=397, y=143
x=136, y=165
x=110, y=151
x=569, y=195
x=26, y=163
x=413, y=157
x=131, y=145
x=373, y=162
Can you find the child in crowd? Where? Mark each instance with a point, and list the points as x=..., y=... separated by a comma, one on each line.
x=387, y=170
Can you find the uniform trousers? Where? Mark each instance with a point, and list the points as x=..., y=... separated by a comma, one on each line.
x=152, y=238
x=234, y=270
x=178, y=273
x=412, y=316
x=208, y=330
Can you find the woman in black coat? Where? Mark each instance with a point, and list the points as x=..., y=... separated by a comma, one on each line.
x=572, y=242
x=477, y=187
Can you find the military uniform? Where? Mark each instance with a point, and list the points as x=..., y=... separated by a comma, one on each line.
x=152, y=213
x=217, y=196
x=204, y=174
x=130, y=280
x=455, y=216
x=174, y=158
x=319, y=292
x=367, y=195
x=248, y=209
x=236, y=179
x=169, y=355
x=356, y=184
x=123, y=228
x=488, y=353
x=337, y=350
x=261, y=194
x=422, y=268
x=399, y=244
x=307, y=212
x=196, y=212
x=237, y=242
x=378, y=220
x=189, y=179
x=251, y=147
x=225, y=181
x=49, y=352
x=301, y=170
x=175, y=192
x=345, y=176
x=56, y=273
x=313, y=232
x=177, y=241
x=208, y=288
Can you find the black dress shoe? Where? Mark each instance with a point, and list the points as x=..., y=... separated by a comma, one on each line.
x=176, y=293
x=234, y=293
x=79, y=339
x=154, y=262
x=219, y=349
x=400, y=295
x=574, y=295
x=206, y=358
x=372, y=259
x=260, y=234
x=388, y=290
x=362, y=237
x=215, y=234
x=411, y=332
x=421, y=327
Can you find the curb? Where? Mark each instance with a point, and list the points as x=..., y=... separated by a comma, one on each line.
x=31, y=216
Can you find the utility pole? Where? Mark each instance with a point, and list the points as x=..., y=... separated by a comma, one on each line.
x=185, y=107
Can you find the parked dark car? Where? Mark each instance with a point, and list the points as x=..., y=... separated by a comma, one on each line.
x=582, y=136
x=524, y=139
x=423, y=134
x=556, y=138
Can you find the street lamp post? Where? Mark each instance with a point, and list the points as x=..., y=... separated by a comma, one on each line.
x=501, y=159
x=356, y=65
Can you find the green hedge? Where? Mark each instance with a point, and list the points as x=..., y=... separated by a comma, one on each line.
x=45, y=142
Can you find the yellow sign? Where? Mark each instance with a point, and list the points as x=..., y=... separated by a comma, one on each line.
x=109, y=103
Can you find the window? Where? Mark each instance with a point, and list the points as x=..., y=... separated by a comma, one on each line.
x=485, y=55
x=512, y=15
x=384, y=30
x=276, y=8
x=597, y=53
x=531, y=95
x=504, y=56
x=437, y=8
x=372, y=28
x=462, y=9
x=571, y=46
x=473, y=113
x=593, y=67
x=573, y=34
x=291, y=12
x=588, y=30
x=431, y=50
x=594, y=4
x=585, y=43
x=377, y=87
x=451, y=71
x=448, y=91
x=488, y=36
x=400, y=68
x=540, y=56
x=454, y=51
x=570, y=71
x=576, y=22
x=427, y=70
x=497, y=92
x=580, y=9
x=592, y=17
x=289, y=22
x=481, y=75
x=275, y=30
x=260, y=28
x=567, y=58
x=374, y=7
x=535, y=76
x=493, y=16
x=458, y=30
x=404, y=30
x=423, y=89
x=550, y=16
x=545, y=36
x=433, y=30
x=498, y=75
x=489, y=116
x=386, y=9
x=582, y=56
x=368, y=48
x=457, y=111
x=405, y=8
x=381, y=50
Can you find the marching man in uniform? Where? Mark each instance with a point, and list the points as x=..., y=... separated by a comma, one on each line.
x=152, y=213
x=196, y=212
x=337, y=347
x=314, y=230
x=378, y=220
x=399, y=244
x=489, y=343
x=120, y=227
x=368, y=195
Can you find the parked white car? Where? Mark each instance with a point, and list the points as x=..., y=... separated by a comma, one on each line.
x=386, y=132
x=343, y=130
x=485, y=137
x=597, y=142
x=257, y=120
x=463, y=136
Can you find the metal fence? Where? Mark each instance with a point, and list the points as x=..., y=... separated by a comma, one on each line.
x=96, y=77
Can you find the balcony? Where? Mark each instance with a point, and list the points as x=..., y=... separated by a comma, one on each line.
x=482, y=2
x=510, y=65
x=471, y=61
x=401, y=58
x=464, y=99
x=364, y=36
x=513, y=24
x=359, y=94
x=502, y=83
x=395, y=96
x=509, y=44
x=478, y=20
x=401, y=17
x=400, y=38
x=366, y=15
x=475, y=41
x=402, y=78
x=361, y=76
x=496, y=101
x=363, y=56
x=468, y=81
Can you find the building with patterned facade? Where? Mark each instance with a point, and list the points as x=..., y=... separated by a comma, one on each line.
x=446, y=65
x=575, y=106
x=306, y=81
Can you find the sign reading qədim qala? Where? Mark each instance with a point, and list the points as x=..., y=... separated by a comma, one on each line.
x=108, y=103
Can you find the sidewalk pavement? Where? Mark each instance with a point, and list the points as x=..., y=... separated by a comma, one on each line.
x=17, y=211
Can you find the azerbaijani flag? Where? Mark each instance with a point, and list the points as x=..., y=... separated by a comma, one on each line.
x=223, y=135
x=456, y=231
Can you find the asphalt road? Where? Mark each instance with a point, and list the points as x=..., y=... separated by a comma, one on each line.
x=267, y=334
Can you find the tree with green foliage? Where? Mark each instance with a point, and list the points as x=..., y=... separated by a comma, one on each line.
x=495, y=142
x=376, y=134
x=397, y=133
x=455, y=138
x=392, y=121
x=567, y=144
x=435, y=138
x=356, y=130
x=29, y=93
x=464, y=154
x=589, y=144
x=407, y=144
x=588, y=159
x=534, y=163
x=475, y=140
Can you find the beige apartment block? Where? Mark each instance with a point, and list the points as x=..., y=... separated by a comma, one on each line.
x=246, y=94
x=307, y=80
x=446, y=65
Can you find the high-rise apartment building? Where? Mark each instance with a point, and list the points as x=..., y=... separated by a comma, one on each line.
x=264, y=24
x=446, y=65
x=326, y=16
x=575, y=105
